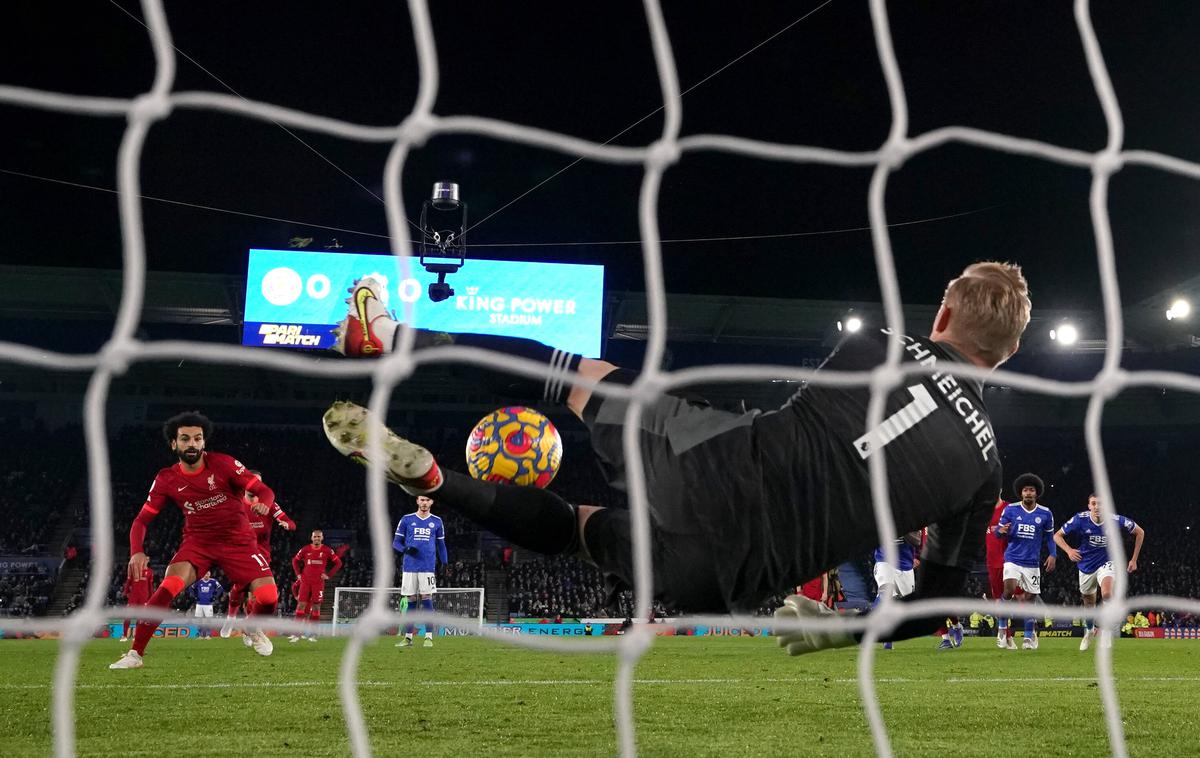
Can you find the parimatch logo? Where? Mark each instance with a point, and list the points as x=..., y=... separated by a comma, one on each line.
x=287, y=334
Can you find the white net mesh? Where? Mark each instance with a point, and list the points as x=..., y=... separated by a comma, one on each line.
x=122, y=349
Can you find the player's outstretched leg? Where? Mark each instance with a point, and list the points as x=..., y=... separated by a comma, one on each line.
x=532, y=518
x=369, y=331
x=266, y=596
x=407, y=465
x=171, y=586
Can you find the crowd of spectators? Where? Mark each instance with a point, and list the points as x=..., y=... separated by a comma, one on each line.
x=36, y=484
x=562, y=587
x=26, y=593
x=1151, y=471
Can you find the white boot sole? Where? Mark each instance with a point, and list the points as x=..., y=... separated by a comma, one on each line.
x=346, y=424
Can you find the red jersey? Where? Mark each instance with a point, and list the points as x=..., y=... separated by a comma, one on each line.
x=210, y=499
x=261, y=525
x=996, y=543
x=139, y=590
x=812, y=588
x=310, y=562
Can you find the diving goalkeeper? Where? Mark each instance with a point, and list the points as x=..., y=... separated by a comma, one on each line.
x=743, y=505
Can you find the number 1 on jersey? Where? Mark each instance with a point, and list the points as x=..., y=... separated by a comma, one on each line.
x=898, y=423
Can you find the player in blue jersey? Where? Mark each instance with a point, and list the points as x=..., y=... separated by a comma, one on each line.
x=1095, y=568
x=1028, y=526
x=206, y=591
x=899, y=580
x=421, y=539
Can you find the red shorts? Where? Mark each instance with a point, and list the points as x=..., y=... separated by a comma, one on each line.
x=996, y=584
x=134, y=602
x=311, y=592
x=239, y=590
x=242, y=562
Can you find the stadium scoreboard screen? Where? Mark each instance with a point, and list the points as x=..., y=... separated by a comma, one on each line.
x=295, y=298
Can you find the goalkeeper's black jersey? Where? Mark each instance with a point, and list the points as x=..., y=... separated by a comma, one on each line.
x=943, y=471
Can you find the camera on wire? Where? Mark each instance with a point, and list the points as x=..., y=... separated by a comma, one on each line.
x=443, y=237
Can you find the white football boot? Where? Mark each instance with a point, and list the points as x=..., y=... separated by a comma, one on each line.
x=130, y=660
x=261, y=642
x=368, y=329
x=407, y=464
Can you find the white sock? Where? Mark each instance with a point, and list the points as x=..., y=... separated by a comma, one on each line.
x=385, y=329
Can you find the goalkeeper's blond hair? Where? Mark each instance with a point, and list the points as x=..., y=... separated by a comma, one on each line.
x=990, y=303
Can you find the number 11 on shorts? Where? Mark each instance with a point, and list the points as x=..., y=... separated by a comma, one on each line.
x=261, y=561
x=898, y=423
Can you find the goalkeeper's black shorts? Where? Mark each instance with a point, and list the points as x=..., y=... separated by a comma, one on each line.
x=704, y=482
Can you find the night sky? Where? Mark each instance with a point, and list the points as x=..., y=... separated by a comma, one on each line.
x=588, y=70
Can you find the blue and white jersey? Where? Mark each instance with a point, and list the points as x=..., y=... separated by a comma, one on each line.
x=905, y=552
x=1027, y=530
x=427, y=535
x=206, y=591
x=1093, y=545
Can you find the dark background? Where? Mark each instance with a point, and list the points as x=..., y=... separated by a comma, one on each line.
x=1014, y=67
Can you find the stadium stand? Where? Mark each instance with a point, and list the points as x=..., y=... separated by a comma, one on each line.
x=327, y=494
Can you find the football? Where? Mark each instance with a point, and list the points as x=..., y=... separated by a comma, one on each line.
x=514, y=445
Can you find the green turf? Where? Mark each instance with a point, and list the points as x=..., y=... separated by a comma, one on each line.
x=466, y=696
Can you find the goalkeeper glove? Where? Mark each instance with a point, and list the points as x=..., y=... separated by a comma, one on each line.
x=798, y=641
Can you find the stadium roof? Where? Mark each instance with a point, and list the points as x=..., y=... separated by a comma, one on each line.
x=58, y=293
x=76, y=306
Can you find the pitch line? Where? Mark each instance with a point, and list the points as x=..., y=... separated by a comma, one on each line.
x=131, y=684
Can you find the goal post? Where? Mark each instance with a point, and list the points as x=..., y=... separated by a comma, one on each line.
x=350, y=602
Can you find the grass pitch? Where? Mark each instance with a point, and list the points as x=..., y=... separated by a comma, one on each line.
x=694, y=697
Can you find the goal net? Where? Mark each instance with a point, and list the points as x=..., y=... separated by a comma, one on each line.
x=463, y=603
x=123, y=348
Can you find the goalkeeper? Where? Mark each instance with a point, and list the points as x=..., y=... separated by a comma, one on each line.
x=745, y=505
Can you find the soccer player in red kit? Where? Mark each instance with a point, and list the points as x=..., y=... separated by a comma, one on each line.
x=136, y=591
x=206, y=486
x=311, y=563
x=996, y=543
x=257, y=512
